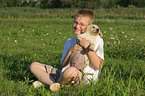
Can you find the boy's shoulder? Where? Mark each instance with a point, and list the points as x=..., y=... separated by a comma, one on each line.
x=71, y=39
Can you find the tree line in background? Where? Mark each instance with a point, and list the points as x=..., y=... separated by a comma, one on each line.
x=73, y=3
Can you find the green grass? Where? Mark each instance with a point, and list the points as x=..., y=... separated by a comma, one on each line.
x=26, y=12
x=27, y=37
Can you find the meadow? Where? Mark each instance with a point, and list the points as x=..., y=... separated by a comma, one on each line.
x=30, y=34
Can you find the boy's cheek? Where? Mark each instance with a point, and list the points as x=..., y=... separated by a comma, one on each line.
x=83, y=29
x=77, y=32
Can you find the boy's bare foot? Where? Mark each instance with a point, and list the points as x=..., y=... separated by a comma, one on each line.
x=37, y=84
x=55, y=87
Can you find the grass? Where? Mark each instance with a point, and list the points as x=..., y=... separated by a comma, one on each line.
x=29, y=34
x=26, y=12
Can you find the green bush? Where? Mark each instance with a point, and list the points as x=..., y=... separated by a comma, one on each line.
x=73, y=3
x=50, y=4
x=126, y=3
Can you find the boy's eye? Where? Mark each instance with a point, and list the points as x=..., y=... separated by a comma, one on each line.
x=79, y=23
x=82, y=25
x=76, y=22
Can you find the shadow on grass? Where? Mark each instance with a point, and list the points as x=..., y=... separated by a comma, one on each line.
x=16, y=67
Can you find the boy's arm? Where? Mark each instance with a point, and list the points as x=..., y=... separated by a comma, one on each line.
x=95, y=60
x=66, y=59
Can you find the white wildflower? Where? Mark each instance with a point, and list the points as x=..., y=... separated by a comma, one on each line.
x=111, y=34
x=132, y=39
x=110, y=28
x=118, y=42
x=107, y=20
x=9, y=33
x=112, y=38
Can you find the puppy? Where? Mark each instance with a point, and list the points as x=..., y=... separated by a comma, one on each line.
x=90, y=34
x=79, y=59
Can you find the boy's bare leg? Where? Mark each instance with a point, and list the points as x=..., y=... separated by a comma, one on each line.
x=71, y=74
x=64, y=68
x=39, y=71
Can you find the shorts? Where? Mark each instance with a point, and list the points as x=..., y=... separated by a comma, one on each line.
x=85, y=78
x=54, y=76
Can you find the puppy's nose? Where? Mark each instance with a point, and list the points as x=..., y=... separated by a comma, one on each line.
x=97, y=30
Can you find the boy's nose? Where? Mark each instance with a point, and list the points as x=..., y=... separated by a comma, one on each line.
x=78, y=26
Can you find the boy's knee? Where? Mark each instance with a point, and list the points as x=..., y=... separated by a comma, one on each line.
x=71, y=71
x=33, y=65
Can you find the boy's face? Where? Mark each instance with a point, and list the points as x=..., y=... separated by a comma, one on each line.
x=80, y=23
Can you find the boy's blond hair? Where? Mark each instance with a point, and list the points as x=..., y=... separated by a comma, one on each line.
x=86, y=13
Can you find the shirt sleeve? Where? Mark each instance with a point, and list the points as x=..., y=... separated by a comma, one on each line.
x=99, y=50
x=65, y=50
x=68, y=44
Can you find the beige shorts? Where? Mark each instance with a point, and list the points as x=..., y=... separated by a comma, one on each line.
x=54, y=76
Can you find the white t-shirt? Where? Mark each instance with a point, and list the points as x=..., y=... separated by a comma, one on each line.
x=98, y=50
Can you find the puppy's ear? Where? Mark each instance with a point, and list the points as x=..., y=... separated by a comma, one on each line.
x=100, y=33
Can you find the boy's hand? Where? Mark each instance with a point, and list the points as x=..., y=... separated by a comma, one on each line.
x=76, y=47
x=84, y=43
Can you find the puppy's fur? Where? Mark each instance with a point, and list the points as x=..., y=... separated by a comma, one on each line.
x=90, y=34
x=79, y=59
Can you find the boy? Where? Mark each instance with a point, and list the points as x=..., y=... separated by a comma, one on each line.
x=83, y=18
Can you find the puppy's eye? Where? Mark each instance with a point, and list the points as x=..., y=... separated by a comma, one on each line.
x=93, y=29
